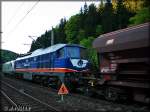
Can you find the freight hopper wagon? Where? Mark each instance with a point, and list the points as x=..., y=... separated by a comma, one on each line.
x=124, y=63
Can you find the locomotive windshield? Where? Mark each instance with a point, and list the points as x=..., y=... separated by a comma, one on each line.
x=76, y=52
x=73, y=52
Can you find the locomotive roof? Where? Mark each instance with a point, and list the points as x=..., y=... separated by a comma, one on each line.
x=47, y=50
x=8, y=62
x=128, y=38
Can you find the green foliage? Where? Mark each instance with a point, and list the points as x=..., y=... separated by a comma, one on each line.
x=7, y=56
x=72, y=28
x=99, y=30
x=101, y=7
x=85, y=8
x=91, y=21
x=81, y=34
x=122, y=15
x=108, y=17
x=87, y=42
x=92, y=55
x=142, y=16
x=146, y=3
x=59, y=32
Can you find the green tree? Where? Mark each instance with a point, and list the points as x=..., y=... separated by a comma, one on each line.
x=146, y=3
x=7, y=55
x=85, y=8
x=59, y=32
x=82, y=18
x=33, y=46
x=36, y=44
x=122, y=15
x=91, y=21
x=72, y=28
x=142, y=16
x=99, y=30
x=101, y=7
x=108, y=17
x=100, y=11
x=91, y=53
x=81, y=34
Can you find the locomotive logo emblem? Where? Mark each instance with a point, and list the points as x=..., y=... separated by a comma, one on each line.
x=80, y=62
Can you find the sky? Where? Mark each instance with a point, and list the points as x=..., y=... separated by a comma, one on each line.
x=21, y=19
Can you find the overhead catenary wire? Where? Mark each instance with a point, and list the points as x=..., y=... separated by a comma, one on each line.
x=15, y=13
x=39, y=44
x=24, y=16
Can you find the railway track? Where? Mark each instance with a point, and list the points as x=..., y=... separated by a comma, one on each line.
x=5, y=101
x=18, y=100
x=72, y=102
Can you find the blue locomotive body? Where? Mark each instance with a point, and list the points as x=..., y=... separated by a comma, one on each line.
x=60, y=60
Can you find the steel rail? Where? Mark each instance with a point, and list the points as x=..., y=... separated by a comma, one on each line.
x=35, y=99
x=8, y=99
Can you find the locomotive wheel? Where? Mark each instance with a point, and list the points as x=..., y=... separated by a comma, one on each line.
x=111, y=94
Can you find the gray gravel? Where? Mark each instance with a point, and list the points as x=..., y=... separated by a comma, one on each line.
x=73, y=102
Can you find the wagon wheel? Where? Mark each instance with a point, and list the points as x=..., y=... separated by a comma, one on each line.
x=111, y=94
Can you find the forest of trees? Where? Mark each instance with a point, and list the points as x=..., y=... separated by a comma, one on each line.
x=91, y=21
x=7, y=55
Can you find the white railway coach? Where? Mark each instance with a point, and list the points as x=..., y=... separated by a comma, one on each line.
x=8, y=67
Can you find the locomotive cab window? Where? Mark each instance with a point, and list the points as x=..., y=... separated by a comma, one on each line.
x=60, y=53
x=73, y=52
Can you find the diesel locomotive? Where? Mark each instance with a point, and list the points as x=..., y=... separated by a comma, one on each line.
x=60, y=63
